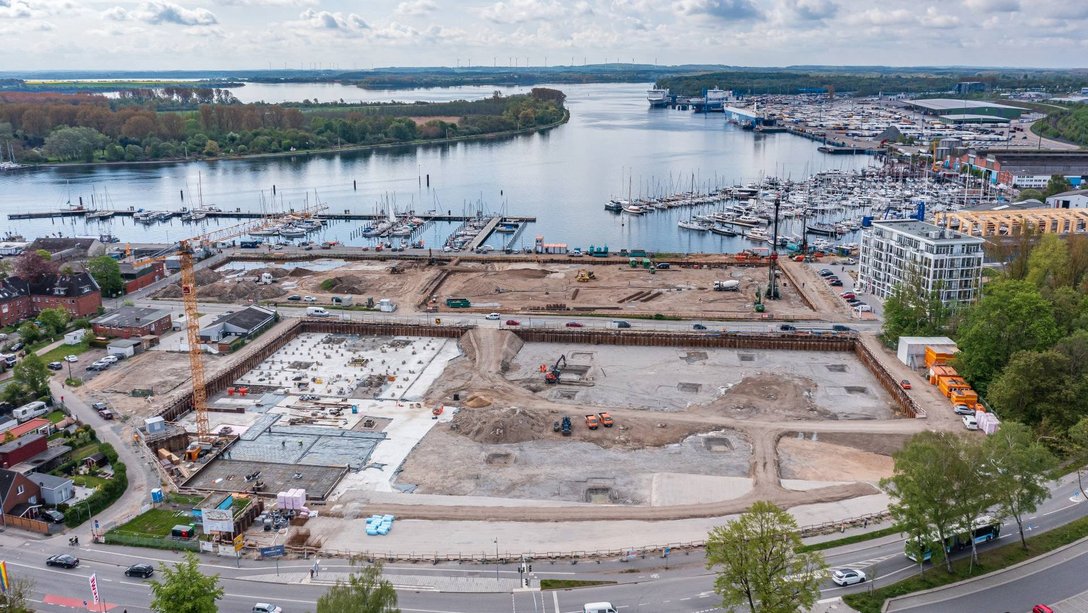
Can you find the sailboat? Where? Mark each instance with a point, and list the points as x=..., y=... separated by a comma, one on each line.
x=10, y=163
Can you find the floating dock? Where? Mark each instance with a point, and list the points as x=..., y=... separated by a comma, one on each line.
x=345, y=216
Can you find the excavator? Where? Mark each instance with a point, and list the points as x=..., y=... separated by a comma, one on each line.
x=552, y=376
x=584, y=276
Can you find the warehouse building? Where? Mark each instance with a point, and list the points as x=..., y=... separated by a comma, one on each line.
x=1021, y=169
x=951, y=106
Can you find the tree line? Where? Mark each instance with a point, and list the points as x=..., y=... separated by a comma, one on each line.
x=1069, y=124
x=58, y=128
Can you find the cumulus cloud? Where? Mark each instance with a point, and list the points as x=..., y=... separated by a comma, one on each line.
x=1003, y=6
x=15, y=10
x=883, y=17
x=338, y=22
x=163, y=12
x=813, y=10
x=116, y=14
x=416, y=7
x=934, y=18
x=521, y=11
x=267, y=2
x=730, y=10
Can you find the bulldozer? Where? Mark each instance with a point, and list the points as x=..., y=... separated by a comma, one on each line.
x=585, y=276
x=552, y=376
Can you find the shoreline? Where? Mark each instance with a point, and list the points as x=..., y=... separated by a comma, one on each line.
x=311, y=152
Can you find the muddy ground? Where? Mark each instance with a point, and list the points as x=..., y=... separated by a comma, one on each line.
x=837, y=456
x=159, y=371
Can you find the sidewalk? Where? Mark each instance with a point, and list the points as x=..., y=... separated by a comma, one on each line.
x=429, y=583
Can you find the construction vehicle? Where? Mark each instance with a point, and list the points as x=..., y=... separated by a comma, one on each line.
x=727, y=286
x=584, y=276
x=606, y=419
x=458, y=303
x=188, y=250
x=552, y=376
x=592, y=422
x=566, y=426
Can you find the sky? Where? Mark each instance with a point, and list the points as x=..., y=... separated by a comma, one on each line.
x=359, y=34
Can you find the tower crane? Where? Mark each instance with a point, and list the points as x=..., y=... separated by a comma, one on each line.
x=187, y=250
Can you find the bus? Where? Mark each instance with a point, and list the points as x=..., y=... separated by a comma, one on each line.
x=984, y=528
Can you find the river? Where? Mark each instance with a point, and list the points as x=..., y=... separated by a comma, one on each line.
x=613, y=145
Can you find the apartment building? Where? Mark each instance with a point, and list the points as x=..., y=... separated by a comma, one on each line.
x=905, y=250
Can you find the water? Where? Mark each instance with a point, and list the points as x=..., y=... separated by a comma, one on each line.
x=613, y=145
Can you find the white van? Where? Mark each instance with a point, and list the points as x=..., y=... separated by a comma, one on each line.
x=598, y=607
x=30, y=411
x=316, y=312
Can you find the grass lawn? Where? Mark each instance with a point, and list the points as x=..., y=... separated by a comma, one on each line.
x=56, y=416
x=85, y=451
x=154, y=522
x=88, y=481
x=184, y=499
x=566, y=584
x=57, y=355
x=988, y=561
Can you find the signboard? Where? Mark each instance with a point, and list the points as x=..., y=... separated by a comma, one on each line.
x=275, y=551
x=94, y=588
x=239, y=542
x=217, y=520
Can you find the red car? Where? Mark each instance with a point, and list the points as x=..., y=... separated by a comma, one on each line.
x=904, y=384
x=1041, y=608
x=573, y=324
x=513, y=322
x=848, y=295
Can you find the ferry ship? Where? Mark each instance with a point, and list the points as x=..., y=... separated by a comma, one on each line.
x=657, y=97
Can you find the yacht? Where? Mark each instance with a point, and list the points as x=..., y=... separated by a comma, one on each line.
x=615, y=205
x=633, y=209
x=693, y=225
x=757, y=234
x=722, y=231
x=658, y=97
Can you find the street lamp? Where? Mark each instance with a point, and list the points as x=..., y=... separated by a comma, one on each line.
x=496, y=559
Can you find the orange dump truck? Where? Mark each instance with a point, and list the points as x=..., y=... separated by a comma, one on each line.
x=937, y=355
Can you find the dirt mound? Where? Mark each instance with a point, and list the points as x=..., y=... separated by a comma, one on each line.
x=276, y=272
x=500, y=425
x=771, y=395
x=477, y=401
x=346, y=284
x=527, y=273
x=821, y=461
x=212, y=286
x=300, y=272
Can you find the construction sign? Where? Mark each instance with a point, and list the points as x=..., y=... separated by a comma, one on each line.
x=239, y=542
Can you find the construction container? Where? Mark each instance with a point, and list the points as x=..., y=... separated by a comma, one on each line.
x=936, y=372
x=965, y=396
x=939, y=354
x=949, y=385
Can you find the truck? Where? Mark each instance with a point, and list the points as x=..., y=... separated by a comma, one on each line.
x=266, y=278
x=592, y=422
x=317, y=312
x=598, y=607
x=385, y=305
x=727, y=286
x=458, y=303
x=566, y=426
x=249, y=244
x=606, y=419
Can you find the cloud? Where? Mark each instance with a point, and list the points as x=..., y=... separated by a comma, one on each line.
x=521, y=11
x=1003, y=6
x=730, y=10
x=813, y=10
x=337, y=22
x=15, y=10
x=416, y=7
x=116, y=14
x=266, y=2
x=882, y=17
x=934, y=18
x=163, y=12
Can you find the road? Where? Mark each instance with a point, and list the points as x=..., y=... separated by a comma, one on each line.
x=644, y=584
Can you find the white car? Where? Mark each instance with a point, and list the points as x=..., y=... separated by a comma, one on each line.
x=847, y=576
x=264, y=607
x=970, y=422
x=112, y=359
x=71, y=358
x=492, y=316
x=309, y=299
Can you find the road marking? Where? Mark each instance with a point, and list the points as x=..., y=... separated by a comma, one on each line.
x=555, y=600
x=1068, y=506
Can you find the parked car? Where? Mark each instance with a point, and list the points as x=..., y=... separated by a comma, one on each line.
x=848, y=295
x=264, y=607
x=53, y=516
x=826, y=272
x=841, y=328
x=787, y=328
x=100, y=406
x=963, y=409
x=56, y=365
x=904, y=384
x=106, y=414
x=309, y=299
x=1041, y=608
x=970, y=422
x=573, y=324
x=111, y=359
x=71, y=358
x=863, y=308
x=294, y=298
x=16, y=347
x=698, y=327
x=492, y=316
x=62, y=560
x=663, y=266
x=847, y=576
x=142, y=571
x=513, y=322
x=835, y=283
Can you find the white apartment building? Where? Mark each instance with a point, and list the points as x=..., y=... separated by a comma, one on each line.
x=898, y=250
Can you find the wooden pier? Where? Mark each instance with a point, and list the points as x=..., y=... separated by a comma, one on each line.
x=485, y=232
x=345, y=216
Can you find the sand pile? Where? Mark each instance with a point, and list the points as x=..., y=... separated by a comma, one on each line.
x=477, y=401
x=772, y=395
x=300, y=272
x=212, y=286
x=348, y=284
x=500, y=425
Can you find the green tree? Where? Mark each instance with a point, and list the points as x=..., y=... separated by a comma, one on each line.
x=1011, y=316
x=33, y=264
x=364, y=592
x=6, y=269
x=66, y=143
x=913, y=311
x=32, y=373
x=1047, y=390
x=1029, y=194
x=107, y=273
x=1077, y=447
x=926, y=501
x=16, y=598
x=29, y=332
x=758, y=564
x=184, y=589
x=1015, y=468
x=55, y=320
x=1048, y=264
x=1056, y=185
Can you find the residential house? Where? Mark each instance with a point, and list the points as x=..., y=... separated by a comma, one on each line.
x=38, y=425
x=139, y=278
x=246, y=323
x=131, y=322
x=21, y=449
x=54, y=490
x=78, y=293
x=15, y=305
x=18, y=494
